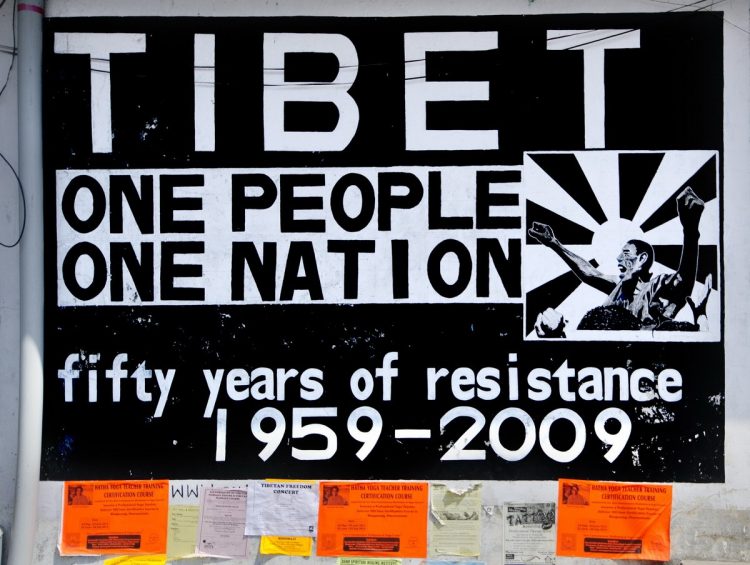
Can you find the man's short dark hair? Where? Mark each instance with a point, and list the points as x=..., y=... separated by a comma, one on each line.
x=644, y=247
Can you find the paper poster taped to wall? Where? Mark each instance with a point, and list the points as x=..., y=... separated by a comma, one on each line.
x=136, y=560
x=613, y=520
x=438, y=248
x=300, y=546
x=529, y=533
x=221, y=528
x=282, y=508
x=114, y=517
x=182, y=530
x=455, y=528
x=367, y=561
x=374, y=519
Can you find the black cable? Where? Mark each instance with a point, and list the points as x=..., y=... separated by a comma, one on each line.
x=679, y=7
x=13, y=56
x=23, y=206
x=13, y=170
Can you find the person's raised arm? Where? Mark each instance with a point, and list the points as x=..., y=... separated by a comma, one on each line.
x=689, y=210
x=582, y=268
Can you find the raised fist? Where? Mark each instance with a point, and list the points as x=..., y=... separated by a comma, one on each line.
x=689, y=208
x=542, y=233
x=550, y=323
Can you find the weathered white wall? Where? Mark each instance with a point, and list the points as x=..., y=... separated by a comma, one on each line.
x=710, y=522
x=9, y=284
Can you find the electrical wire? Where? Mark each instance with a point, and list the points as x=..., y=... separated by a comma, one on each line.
x=679, y=6
x=13, y=54
x=23, y=206
x=21, y=193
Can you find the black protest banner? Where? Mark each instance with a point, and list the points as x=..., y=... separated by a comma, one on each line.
x=427, y=247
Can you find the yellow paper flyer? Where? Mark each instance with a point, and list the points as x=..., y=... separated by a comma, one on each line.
x=182, y=532
x=286, y=545
x=137, y=560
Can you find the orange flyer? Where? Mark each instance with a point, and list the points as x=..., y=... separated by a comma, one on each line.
x=377, y=519
x=114, y=517
x=613, y=520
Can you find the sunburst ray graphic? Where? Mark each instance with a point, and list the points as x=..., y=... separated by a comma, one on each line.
x=595, y=201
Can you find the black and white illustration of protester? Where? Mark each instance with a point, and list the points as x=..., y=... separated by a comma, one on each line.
x=639, y=296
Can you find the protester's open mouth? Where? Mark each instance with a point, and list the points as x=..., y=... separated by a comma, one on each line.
x=621, y=267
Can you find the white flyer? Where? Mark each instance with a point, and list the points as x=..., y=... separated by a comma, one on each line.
x=282, y=508
x=529, y=534
x=222, y=523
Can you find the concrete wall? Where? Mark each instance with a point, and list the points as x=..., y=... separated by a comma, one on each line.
x=9, y=277
x=710, y=522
